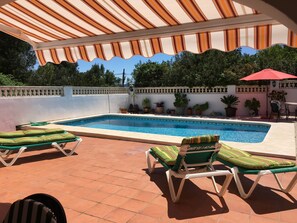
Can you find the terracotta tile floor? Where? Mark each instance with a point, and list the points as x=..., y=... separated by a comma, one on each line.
x=107, y=182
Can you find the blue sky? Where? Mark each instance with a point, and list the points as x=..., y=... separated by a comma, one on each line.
x=118, y=64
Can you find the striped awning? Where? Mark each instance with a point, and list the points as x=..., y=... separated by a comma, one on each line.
x=69, y=30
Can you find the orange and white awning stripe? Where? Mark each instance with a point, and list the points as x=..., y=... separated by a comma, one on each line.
x=226, y=40
x=71, y=30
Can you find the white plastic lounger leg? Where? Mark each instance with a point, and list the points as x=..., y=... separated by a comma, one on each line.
x=62, y=145
x=58, y=147
x=174, y=196
x=21, y=150
x=150, y=167
x=290, y=185
x=4, y=152
x=225, y=185
x=243, y=194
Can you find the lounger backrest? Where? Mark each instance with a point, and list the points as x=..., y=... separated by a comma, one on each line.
x=197, y=151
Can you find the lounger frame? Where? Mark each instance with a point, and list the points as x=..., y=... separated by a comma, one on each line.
x=191, y=171
x=7, y=151
x=260, y=173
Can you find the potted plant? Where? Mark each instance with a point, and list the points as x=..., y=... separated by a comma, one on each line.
x=199, y=108
x=146, y=104
x=181, y=102
x=131, y=108
x=135, y=108
x=278, y=95
x=159, y=107
x=253, y=106
x=230, y=101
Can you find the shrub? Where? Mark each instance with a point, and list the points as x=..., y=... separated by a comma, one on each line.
x=230, y=100
x=181, y=100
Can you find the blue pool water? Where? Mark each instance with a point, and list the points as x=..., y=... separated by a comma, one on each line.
x=229, y=131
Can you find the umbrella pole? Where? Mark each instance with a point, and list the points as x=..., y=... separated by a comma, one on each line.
x=267, y=87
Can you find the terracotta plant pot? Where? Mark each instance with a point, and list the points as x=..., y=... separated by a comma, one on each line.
x=123, y=110
x=189, y=111
x=159, y=110
x=230, y=111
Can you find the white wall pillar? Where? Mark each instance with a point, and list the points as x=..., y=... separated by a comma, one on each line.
x=231, y=89
x=68, y=91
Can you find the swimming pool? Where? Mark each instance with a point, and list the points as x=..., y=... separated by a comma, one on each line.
x=228, y=130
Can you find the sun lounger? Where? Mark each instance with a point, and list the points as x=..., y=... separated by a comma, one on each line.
x=245, y=163
x=19, y=141
x=192, y=160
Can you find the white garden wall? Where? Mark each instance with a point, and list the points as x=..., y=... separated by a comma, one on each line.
x=20, y=110
x=213, y=99
x=20, y=105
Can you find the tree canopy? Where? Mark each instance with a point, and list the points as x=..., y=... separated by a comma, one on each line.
x=278, y=57
x=214, y=68
x=98, y=76
x=151, y=74
x=68, y=74
x=55, y=75
x=17, y=60
x=16, y=57
x=8, y=80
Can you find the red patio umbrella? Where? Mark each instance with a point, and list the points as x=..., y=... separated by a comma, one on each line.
x=268, y=74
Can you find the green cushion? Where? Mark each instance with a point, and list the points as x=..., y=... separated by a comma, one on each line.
x=11, y=134
x=38, y=123
x=35, y=139
x=167, y=154
x=245, y=160
x=31, y=132
x=201, y=139
x=227, y=152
